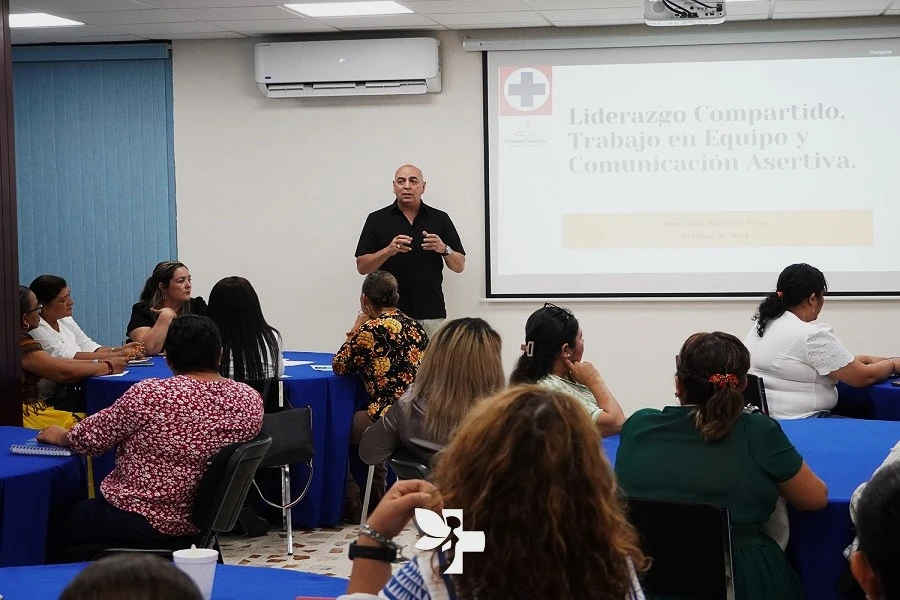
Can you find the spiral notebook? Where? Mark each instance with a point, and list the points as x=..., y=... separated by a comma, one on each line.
x=35, y=448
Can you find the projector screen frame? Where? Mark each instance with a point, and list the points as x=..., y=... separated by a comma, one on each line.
x=810, y=34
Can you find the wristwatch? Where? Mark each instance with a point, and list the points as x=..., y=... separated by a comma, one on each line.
x=447, y=250
x=382, y=553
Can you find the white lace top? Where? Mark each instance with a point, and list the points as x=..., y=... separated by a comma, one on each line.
x=794, y=359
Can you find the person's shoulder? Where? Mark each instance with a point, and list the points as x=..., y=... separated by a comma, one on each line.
x=757, y=423
x=141, y=306
x=436, y=212
x=382, y=211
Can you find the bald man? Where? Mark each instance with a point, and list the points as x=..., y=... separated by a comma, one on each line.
x=412, y=241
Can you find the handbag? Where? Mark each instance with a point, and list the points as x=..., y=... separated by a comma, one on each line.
x=69, y=397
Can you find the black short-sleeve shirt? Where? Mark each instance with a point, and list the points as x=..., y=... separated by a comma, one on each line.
x=419, y=272
x=142, y=316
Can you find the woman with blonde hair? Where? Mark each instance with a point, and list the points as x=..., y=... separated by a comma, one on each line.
x=526, y=468
x=462, y=366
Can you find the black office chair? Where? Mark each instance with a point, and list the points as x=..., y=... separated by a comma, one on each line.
x=690, y=547
x=220, y=496
x=292, y=442
x=407, y=466
x=755, y=393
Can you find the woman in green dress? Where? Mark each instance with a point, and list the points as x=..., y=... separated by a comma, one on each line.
x=709, y=450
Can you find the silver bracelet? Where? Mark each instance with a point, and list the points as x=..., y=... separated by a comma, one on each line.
x=388, y=543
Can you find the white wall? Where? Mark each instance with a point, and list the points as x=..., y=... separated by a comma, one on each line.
x=277, y=191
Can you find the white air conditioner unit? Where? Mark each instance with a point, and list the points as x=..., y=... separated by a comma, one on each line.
x=348, y=67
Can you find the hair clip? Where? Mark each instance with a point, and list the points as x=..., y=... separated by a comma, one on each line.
x=724, y=381
x=528, y=348
x=779, y=294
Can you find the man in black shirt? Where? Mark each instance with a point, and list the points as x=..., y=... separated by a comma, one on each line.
x=412, y=241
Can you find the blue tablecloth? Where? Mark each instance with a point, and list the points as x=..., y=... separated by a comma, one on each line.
x=231, y=583
x=880, y=401
x=31, y=487
x=333, y=400
x=844, y=453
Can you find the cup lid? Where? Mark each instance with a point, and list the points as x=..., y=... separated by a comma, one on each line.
x=191, y=555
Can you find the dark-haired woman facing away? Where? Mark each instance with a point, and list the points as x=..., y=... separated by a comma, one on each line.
x=799, y=358
x=551, y=357
x=166, y=295
x=167, y=431
x=874, y=564
x=251, y=348
x=709, y=450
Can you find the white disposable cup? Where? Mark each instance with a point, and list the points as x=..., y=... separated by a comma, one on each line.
x=200, y=565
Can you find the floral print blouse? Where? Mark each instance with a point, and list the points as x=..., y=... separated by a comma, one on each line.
x=386, y=352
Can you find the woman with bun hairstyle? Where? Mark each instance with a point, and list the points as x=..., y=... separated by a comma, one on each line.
x=385, y=347
x=799, y=358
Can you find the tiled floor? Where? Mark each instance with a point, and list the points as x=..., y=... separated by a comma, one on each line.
x=322, y=551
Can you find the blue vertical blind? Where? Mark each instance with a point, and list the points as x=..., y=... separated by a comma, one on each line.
x=95, y=173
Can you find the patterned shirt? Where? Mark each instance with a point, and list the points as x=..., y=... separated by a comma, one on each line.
x=386, y=352
x=582, y=393
x=167, y=431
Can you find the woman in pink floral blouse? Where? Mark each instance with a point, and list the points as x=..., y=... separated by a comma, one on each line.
x=167, y=431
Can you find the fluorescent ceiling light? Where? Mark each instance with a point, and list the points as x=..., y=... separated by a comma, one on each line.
x=348, y=9
x=40, y=20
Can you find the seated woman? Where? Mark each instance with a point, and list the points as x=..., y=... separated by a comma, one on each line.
x=384, y=347
x=166, y=295
x=461, y=367
x=526, y=468
x=709, y=450
x=61, y=337
x=800, y=359
x=38, y=364
x=551, y=357
x=167, y=431
x=874, y=563
x=251, y=348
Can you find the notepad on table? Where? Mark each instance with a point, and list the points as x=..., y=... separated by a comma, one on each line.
x=140, y=362
x=35, y=448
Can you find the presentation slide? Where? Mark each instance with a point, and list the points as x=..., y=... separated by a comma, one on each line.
x=693, y=170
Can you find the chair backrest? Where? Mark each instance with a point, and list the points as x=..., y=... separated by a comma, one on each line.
x=755, y=393
x=690, y=548
x=292, y=438
x=224, y=486
x=407, y=466
x=270, y=390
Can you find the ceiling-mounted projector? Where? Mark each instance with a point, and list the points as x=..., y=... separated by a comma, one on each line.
x=683, y=12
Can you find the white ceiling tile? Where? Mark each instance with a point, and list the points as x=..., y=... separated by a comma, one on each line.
x=273, y=26
x=496, y=19
x=378, y=22
x=50, y=33
x=601, y=23
x=593, y=15
x=823, y=15
x=581, y=4
x=208, y=3
x=247, y=13
x=17, y=37
x=202, y=36
x=428, y=7
x=824, y=6
x=125, y=17
x=68, y=6
x=434, y=27
x=163, y=29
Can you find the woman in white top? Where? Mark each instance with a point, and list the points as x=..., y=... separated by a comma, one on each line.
x=800, y=359
x=551, y=357
x=61, y=337
x=59, y=334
